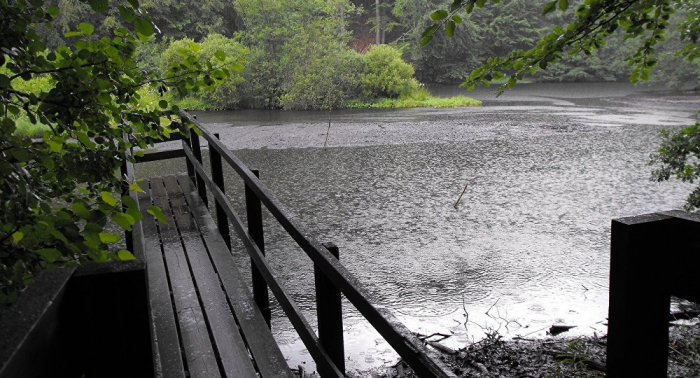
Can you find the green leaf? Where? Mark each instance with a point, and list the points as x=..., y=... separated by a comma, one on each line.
x=80, y=209
x=430, y=30
x=124, y=220
x=53, y=10
x=99, y=6
x=549, y=7
x=156, y=212
x=72, y=34
x=563, y=5
x=220, y=55
x=109, y=198
x=109, y=238
x=457, y=19
x=439, y=14
x=135, y=187
x=163, y=104
x=125, y=255
x=450, y=28
x=50, y=254
x=84, y=139
x=85, y=28
x=480, y=3
x=17, y=236
x=55, y=144
x=144, y=26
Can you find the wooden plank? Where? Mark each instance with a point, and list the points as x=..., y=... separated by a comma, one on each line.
x=199, y=353
x=394, y=332
x=160, y=155
x=230, y=346
x=167, y=357
x=269, y=359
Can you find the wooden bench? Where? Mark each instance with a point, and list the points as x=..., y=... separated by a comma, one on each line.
x=204, y=322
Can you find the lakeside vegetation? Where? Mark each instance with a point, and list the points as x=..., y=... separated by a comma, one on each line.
x=332, y=54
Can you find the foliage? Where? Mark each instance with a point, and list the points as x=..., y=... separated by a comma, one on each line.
x=386, y=74
x=422, y=100
x=293, y=45
x=678, y=157
x=592, y=26
x=594, y=21
x=170, y=19
x=213, y=49
x=57, y=194
x=325, y=79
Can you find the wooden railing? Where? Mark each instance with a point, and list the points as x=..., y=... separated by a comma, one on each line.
x=332, y=278
x=652, y=257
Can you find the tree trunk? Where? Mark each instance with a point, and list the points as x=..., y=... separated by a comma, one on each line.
x=378, y=35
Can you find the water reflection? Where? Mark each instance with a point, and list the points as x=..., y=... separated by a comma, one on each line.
x=529, y=242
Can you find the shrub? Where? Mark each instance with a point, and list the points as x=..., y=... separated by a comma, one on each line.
x=327, y=81
x=215, y=50
x=385, y=74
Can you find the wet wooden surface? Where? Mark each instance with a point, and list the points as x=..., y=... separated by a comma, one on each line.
x=204, y=321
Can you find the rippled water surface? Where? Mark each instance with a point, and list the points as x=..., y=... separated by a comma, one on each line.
x=546, y=168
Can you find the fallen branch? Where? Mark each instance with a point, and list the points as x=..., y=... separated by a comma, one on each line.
x=442, y=348
x=460, y=196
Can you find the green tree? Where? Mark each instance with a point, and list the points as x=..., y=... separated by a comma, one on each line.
x=213, y=49
x=286, y=38
x=57, y=194
x=593, y=24
x=386, y=74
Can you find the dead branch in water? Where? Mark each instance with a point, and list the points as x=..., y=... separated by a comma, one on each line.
x=460, y=196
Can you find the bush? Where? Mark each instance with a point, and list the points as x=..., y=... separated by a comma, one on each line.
x=326, y=81
x=211, y=50
x=385, y=74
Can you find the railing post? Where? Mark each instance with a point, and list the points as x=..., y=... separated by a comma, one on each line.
x=197, y=151
x=190, y=168
x=329, y=311
x=128, y=235
x=255, y=230
x=217, y=174
x=639, y=297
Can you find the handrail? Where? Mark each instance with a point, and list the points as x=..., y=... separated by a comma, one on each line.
x=290, y=308
x=393, y=331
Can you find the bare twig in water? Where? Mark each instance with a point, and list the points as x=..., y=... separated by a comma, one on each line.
x=327, y=131
x=460, y=196
x=494, y=303
x=466, y=314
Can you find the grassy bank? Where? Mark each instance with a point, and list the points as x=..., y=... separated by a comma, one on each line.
x=149, y=100
x=427, y=102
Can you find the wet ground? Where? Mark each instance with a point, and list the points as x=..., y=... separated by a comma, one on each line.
x=546, y=166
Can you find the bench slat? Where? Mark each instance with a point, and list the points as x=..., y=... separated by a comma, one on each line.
x=270, y=361
x=199, y=353
x=229, y=343
x=166, y=346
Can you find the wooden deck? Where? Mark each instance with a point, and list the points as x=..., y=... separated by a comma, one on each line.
x=204, y=321
x=182, y=309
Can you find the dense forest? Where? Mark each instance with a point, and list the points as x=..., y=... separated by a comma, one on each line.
x=319, y=54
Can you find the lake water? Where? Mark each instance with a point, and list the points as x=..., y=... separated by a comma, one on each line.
x=547, y=166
